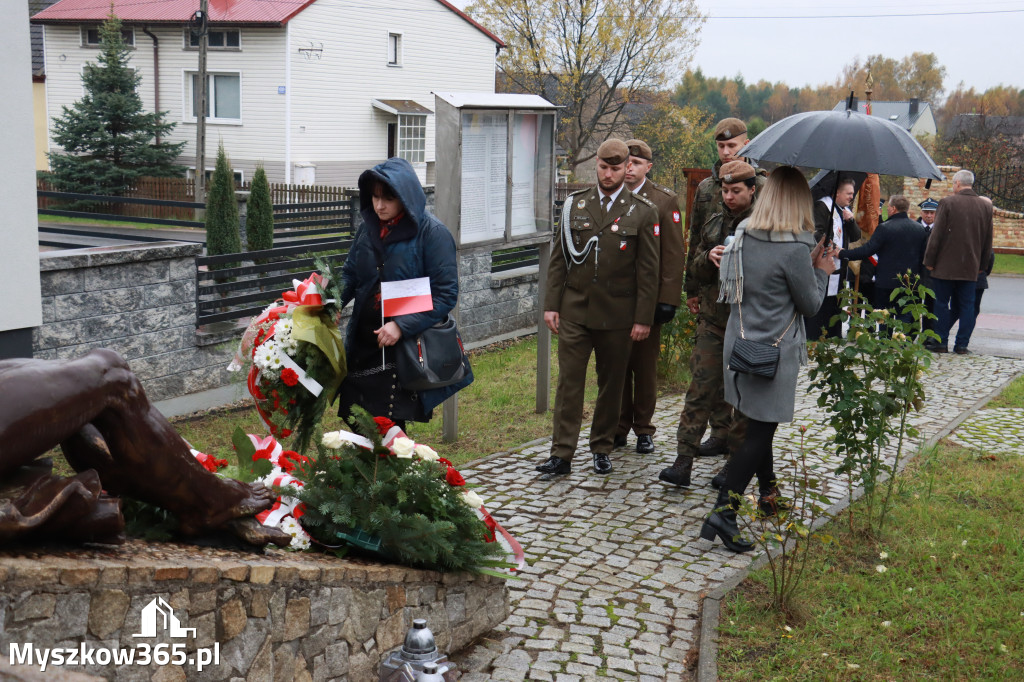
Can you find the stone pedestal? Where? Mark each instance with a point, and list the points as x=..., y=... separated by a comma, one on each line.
x=278, y=616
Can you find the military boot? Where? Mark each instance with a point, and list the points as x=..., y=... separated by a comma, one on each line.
x=679, y=472
x=719, y=479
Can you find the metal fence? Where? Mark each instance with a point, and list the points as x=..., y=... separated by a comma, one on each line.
x=1004, y=186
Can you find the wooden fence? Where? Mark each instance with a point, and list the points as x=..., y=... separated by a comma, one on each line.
x=183, y=189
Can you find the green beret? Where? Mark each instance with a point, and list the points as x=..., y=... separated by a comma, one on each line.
x=735, y=171
x=640, y=148
x=613, y=151
x=729, y=128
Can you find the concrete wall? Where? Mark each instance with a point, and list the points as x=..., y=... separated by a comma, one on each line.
x=19, y=263
x=1007, y=226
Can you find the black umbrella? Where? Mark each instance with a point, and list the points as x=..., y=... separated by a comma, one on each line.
x=844, y=141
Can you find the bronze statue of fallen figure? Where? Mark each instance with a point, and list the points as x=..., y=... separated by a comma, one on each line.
x=96, y=410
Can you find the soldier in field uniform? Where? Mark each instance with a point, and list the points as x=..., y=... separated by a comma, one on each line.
x=640, y=393
x=706, y=394
x=601, y=293
x=730, y=137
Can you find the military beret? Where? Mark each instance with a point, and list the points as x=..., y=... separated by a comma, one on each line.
x=640, y=148
x=729, y=128
x=736, y=171
x=613, y=151
x=929, y=204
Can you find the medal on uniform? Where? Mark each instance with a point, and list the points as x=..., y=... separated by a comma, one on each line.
x=622, y=245
x=615, y=228
x=581, y=203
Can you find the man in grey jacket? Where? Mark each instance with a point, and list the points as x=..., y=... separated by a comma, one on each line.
x=960, y=242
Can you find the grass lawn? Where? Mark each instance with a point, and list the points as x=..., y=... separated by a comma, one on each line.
x=496, y=412
x=1008, y=264
x=949, y=605
x=85, y=222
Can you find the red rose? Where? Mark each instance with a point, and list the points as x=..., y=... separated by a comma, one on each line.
x=285, y=433
x=383, y=424
x=289, y=459
x=289, y=376
x=454, y=478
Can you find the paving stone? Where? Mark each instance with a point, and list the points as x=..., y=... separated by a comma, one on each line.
x=627, y=541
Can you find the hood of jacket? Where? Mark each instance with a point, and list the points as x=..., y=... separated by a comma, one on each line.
x=398, y=174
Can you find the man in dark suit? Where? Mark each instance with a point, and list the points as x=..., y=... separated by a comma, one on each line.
x=842, y=229
x=601, y=294
x=899, y=245
x=959, y=246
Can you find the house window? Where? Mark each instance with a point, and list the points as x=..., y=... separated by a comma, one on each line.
x=239, y=176
x=223, y=98
x=394, y=49
x=91, y=36
x=216, y=39
x=412, y=137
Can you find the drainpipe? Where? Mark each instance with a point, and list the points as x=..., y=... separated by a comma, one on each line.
x=156, y=73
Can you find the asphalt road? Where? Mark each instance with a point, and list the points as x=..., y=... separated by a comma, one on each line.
x=1000, y=327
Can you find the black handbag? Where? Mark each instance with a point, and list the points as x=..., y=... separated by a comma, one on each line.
x=755, y=358
x=434, y=359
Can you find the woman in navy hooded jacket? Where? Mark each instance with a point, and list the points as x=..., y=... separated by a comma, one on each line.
x=399, y=239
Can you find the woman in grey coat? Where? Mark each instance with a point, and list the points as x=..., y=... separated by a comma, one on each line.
x=772, y=274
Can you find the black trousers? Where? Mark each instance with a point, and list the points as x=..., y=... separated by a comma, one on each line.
x=754, y=457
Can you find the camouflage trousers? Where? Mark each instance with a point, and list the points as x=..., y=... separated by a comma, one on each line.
x=705, y=397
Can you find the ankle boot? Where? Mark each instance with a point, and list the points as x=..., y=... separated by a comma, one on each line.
x=722, y=523
x=718, y=482
x=679, y=472
x=769, y=502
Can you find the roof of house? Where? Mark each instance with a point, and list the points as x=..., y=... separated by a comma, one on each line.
x=34, y=7
x=897, y=112
x=245, y=12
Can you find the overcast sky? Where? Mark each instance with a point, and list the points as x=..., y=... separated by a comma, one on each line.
x=980, y=43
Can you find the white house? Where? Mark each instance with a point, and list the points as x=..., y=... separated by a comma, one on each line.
x=315, y=90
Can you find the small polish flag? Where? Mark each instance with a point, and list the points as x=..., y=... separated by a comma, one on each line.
x=405, y=296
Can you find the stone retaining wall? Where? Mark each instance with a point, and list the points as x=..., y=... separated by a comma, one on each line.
x=279, y=617
x=1007, y=226
x=139, y=300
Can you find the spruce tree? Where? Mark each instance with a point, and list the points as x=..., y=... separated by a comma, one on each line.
x=222, y=210
x=107, y=137
x=259, y=221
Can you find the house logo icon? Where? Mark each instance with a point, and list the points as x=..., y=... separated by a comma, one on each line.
x=159, y=613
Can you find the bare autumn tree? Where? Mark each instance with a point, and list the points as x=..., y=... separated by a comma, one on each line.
x=590, y=56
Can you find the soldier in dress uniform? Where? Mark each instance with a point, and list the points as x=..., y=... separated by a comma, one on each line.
x=706, y=393
x=640, y=392
x=601, y=294
x=730, y=136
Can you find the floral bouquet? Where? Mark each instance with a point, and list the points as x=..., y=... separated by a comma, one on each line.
x=295, y=359
x=384, y=493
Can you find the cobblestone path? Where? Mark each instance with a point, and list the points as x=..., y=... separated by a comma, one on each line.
x=616, y=565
